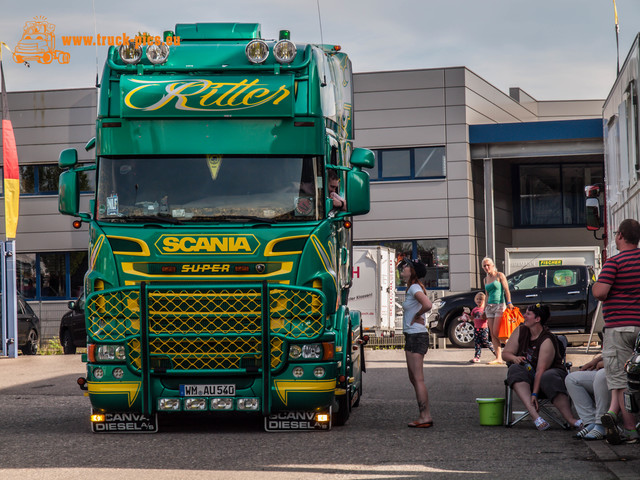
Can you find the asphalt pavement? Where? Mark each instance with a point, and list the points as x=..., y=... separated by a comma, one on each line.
x=45, y=433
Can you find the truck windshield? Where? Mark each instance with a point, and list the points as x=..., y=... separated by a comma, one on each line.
x=209, y=188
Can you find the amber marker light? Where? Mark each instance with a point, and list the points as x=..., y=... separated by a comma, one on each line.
x=97, y=417
x=168, y=269
x=91, y=352
x=327, y=348
x=77, y=224
x=241, y=268
x=348, y=224
x=322, y=417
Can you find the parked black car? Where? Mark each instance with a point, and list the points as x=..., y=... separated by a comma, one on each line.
x=565, y=288
x=73, y=332
x=28, y=328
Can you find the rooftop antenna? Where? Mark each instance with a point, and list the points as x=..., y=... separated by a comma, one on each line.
x=95, y=36
x=617, y=27
x=324, y=75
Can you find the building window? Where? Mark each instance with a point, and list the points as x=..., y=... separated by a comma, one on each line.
x=51, y=276
x=409, y=164
x=43, y=180
x=433, y=252
x=551, y=195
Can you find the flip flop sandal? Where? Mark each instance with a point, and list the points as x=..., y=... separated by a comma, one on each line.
x=541, y=424
x=420, y=425
x=613, y=434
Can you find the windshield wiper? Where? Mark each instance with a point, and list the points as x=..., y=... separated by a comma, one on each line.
x=243, y=217
x=154, y=218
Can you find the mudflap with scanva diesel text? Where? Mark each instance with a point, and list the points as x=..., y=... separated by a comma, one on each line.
x=296, y=421
x=128, y=422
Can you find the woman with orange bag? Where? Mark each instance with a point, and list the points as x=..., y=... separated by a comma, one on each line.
x=495, y=283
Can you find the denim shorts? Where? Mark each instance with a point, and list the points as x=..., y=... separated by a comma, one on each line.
x=494, y=310
x=416, y=342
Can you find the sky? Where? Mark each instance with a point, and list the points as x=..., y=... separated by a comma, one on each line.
x=552, y=49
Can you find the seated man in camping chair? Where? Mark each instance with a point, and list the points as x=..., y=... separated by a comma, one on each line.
x=537, y=367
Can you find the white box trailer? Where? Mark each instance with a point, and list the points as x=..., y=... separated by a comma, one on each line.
x=526, y=257
x=373, y=291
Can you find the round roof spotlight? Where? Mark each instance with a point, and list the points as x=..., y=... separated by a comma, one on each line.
x=285, y=51
x=257, y=51
x=158, y=54
x=129, y=53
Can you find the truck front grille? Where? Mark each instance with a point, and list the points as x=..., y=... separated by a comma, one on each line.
x=206, y=329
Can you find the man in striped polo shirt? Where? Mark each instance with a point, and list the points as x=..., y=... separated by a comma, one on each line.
x=618, y=287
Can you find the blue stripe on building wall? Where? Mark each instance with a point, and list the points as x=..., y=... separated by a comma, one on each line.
x=536, y=131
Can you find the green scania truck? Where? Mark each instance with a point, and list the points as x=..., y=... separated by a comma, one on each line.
x=219, y=266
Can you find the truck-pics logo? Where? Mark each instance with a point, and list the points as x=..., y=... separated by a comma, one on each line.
x=38, y=43
x=207, y=244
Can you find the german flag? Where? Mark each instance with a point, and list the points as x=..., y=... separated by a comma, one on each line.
x=10, y=167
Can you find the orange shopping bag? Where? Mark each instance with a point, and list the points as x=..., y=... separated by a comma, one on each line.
x=511, y=318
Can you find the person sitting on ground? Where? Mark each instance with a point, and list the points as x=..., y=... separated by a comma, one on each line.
x=339, y=202
x=537, y=366
x=588, y=390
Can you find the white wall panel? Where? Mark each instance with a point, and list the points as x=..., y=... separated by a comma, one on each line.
x=424, y=97
x=460, y=225
x=460, y=207
x=457, y=152
x=408, y=190
x=408, y=209
x=457, y=133
x=455, y=96
x=461, y=244
x=456, y=114
x=455, y=77
x=408, y=117
x=460, y=170
x=51, y=152
x=53, y=117
x=398, y=80
x=400, y=137
x=45, y=99
x=460, y=189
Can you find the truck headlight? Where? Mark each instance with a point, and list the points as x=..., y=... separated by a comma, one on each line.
x=110, y=353
x=312, y=351
x=295, y=352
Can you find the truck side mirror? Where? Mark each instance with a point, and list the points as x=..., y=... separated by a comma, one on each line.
x=592, y=213
x=363, y=158
x=68, y=193
x=357, y=192
x=68, y=158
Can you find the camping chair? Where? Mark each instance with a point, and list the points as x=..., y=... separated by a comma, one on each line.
x=543, y=402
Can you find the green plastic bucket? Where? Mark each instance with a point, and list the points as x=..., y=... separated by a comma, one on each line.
x=491, y=410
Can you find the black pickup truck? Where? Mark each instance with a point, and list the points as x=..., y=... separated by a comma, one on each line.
x=566, y=289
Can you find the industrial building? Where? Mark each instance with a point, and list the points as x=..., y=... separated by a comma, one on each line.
x=463, y=170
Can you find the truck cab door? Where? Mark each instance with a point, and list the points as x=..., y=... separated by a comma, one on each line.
x=565, y=293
